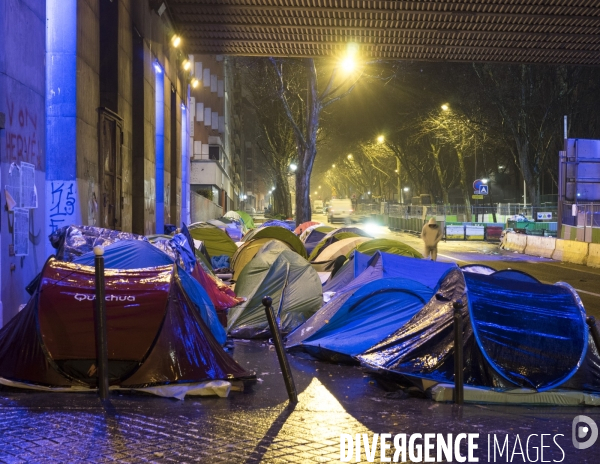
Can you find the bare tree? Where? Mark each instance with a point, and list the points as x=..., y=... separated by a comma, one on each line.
x=298, y=89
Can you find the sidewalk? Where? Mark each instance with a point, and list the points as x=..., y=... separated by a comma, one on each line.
x=256, y=425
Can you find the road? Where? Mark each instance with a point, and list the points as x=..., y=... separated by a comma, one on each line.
x=585, y=280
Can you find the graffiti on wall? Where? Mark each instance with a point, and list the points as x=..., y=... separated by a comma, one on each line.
x=22, y=143
x=61, y=196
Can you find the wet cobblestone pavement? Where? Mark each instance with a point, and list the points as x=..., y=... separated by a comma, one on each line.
x=257, y=425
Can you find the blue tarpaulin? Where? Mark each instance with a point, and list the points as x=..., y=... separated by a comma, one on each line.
x=516, y=333
x=377, y=300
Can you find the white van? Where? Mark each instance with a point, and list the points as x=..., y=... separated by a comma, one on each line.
x=339, y=210
x=318, y=207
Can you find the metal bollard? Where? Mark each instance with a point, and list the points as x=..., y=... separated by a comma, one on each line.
x=100, y=324
x=591, y=322
x=458, y=353
x=267, y=301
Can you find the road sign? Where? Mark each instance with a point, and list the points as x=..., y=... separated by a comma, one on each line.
x=542, y=216
x=480, y=187
x=477, y=197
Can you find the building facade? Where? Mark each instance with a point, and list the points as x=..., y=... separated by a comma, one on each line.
x=93, y=127
x=216, y=170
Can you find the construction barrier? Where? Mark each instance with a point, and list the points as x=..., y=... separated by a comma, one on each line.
x=593, y=259
x=474, y=231
x=455, y=231
x=515, y=242
x=540, y=246
x=493, y=233
x=570, y=251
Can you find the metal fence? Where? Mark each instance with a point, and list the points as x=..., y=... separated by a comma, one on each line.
x=581, y=214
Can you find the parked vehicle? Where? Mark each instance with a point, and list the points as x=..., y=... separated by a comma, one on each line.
x=318, y=206
x=339, y=210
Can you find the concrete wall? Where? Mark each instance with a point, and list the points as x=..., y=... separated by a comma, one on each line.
x=202, y=209
x=54, y=85
x=22, y=102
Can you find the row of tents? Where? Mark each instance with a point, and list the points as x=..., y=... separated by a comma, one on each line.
x=339, y=295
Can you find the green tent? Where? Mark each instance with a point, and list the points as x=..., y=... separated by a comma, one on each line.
x=248, y=221
x=274, y=271
x=216, y=241
x=248, y=250
x=279, y=233
x=388, y=246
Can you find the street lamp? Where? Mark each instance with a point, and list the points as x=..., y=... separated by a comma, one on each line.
x=333, y=165
x=484, y=181
x=293, y=167
x=380, y=139
x=350, y=156
x=445, y=107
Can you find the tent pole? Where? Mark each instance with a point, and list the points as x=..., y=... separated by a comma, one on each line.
x=591, y=322
x=458, y=353
x=100, y=324
x=267, y=301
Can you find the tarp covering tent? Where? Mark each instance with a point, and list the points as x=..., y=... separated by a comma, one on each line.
x=426, y=272
x=230, y=229
x=305, y=225
x=216, y=241
x=71, y=241
x=389, y=246
x=313, y=235
x=248, y=250
x=341, y=248
x=289, y=225
x=204, y=291
x=280, y=273
x=155, y=336
x=334, y=236
x=279, y=233
x=235, y=216
x=382, y=298
x=516, y=335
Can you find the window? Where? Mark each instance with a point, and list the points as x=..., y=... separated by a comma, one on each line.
x=214, y=152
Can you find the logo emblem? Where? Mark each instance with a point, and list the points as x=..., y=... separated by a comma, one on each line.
x=589, y=430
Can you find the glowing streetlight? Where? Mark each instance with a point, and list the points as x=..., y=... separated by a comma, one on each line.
x=380, y=139
x=445, y=107
x=350, y=156
x=316, y=193
x=319, y=186
x=176, y=41
x=293, y=167
x=348, y=63
x=484, y=181
x=195, y=83
x=186, y=65
x=333, y=165
x=406, y=189
x=369, y=192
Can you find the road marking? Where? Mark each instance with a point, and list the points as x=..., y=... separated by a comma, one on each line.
x=450, y=257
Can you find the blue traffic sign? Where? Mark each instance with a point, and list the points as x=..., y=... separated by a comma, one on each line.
x=480, y=187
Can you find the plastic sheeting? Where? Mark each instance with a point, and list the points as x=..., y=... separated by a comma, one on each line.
x=282, y=274
x=72, y=241
x=51, y=342
x=134, y=254
x=289, y=225
x=534, y=335
x=516, y=334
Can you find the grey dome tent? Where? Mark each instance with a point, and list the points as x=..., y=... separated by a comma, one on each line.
x=281, y=273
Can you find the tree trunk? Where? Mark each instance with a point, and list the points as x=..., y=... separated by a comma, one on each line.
x=438, y=168
x=303, y=211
